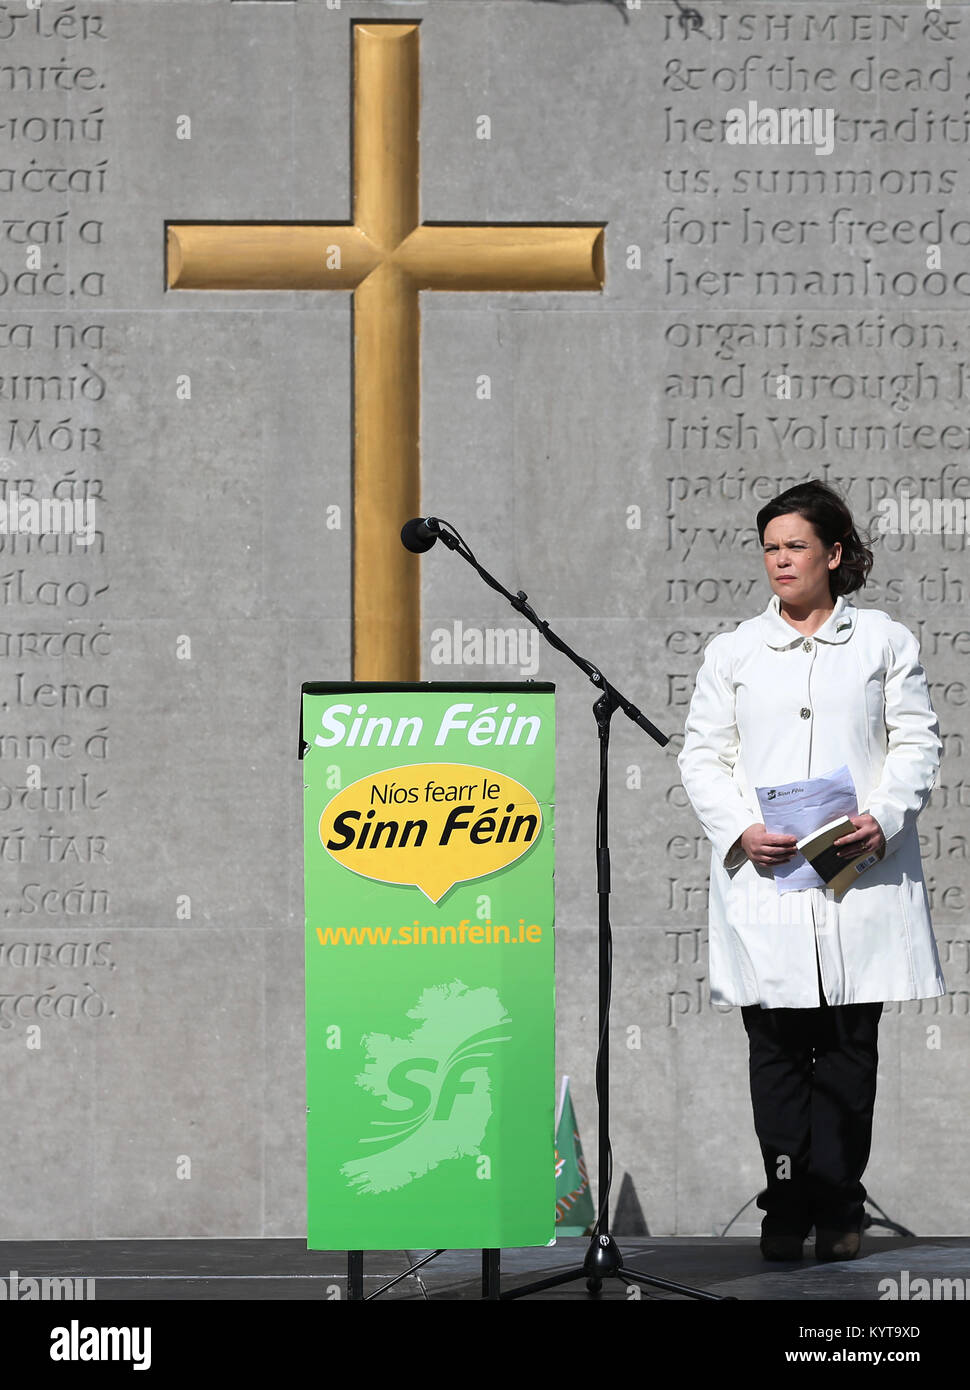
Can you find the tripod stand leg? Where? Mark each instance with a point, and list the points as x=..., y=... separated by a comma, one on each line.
x=634, y=1276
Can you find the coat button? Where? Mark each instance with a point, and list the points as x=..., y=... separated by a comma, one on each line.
x=806, y=712
x=807, y=645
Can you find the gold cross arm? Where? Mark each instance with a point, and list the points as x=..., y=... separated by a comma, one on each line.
x=385, y=256
x=265, y=256
x=338, y=256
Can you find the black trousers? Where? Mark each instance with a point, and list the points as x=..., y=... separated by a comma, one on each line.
x=813, y=1088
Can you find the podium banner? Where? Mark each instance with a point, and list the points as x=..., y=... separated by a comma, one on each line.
x=428, y=862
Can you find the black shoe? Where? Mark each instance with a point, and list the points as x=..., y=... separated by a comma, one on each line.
x=837, y=1245
x=781, y=1247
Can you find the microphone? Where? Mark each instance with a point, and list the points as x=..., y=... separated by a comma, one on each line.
x=420, y=534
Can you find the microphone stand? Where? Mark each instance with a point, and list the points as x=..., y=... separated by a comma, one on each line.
x=604, y=1259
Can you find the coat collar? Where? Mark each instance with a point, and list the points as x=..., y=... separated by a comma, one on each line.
x=838, y=627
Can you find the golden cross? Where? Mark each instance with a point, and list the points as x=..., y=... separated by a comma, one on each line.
x=385, y=256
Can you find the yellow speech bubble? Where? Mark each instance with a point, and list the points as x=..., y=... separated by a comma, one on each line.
x=430, y=824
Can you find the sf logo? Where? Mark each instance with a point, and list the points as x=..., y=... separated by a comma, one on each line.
x=457, y=1080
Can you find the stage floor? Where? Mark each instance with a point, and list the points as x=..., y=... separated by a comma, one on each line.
x=284, y=1270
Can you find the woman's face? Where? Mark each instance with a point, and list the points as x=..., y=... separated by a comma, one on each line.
x=798, y=564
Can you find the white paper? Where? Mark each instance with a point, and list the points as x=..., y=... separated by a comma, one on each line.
x=799, y=808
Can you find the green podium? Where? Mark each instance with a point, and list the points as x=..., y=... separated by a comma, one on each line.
x=430, y=1006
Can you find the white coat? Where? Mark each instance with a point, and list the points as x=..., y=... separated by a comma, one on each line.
x=771, y=706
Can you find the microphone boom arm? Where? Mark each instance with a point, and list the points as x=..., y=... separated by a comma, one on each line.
x=520, y=602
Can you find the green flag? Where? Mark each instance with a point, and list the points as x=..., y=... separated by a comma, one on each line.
x=575, y=1213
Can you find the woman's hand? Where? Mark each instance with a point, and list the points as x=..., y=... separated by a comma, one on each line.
x=767, y=848
x=867, y=838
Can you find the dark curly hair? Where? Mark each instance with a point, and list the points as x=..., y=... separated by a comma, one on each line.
x=832, y=521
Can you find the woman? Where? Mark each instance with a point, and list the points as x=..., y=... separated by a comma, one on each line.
x=810, y=685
